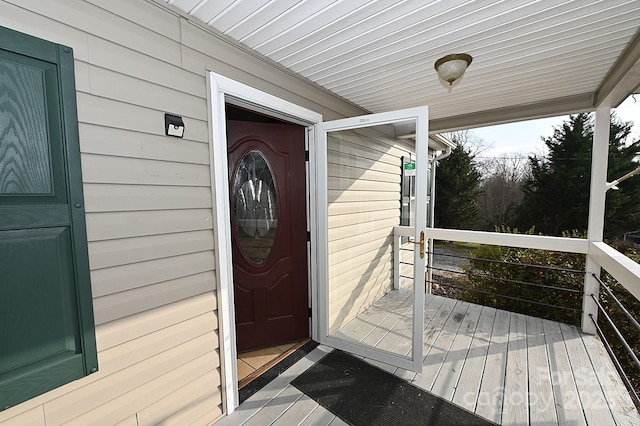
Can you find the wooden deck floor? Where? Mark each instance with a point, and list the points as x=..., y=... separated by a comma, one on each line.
x=510, y=368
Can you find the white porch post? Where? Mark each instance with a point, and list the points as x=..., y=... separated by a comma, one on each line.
x=597, y=195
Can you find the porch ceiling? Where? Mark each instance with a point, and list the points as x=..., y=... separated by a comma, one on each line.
x=530, y=58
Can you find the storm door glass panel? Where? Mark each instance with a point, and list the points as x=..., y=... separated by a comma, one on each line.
x=255, y=206
x=367, y=313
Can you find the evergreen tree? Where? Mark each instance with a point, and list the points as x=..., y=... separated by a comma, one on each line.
x=557, y=191
x=622, y=213
x=457, y=189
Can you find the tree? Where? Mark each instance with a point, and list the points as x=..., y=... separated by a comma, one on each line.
x=457, y=188
x=502, y=190
x=557, y=191
x=468, y=140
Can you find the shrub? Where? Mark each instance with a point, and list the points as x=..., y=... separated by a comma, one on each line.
x=528, y=281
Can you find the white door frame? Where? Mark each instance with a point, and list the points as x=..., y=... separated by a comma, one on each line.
x=222, y=90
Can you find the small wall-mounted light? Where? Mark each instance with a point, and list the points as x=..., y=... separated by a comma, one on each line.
x=173, y=125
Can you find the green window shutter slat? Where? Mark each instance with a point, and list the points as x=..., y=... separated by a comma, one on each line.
x=34, y=217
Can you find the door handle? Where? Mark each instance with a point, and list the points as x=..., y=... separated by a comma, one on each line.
x=421, y=243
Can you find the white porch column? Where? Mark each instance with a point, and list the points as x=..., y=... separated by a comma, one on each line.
x=599, y=163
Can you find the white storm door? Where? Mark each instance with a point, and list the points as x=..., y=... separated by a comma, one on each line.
x=359, y=196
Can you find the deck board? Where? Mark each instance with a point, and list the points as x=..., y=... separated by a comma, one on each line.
x=568, y=407
x=318, y=417
x=620, y=405
x=276, y=407
x=468, y=388
x=447, y=379
x=594, y=404
x=507, y=367
x=541, y=397
x=489, y=403
x=434, y=359
x=515, y=410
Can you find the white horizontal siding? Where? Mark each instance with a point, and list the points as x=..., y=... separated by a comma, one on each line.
x=342, y=273
x=356, y=197
x=364, y=159
x=20, y=17
x=101, y=197
x=365, y=249
x=81, y=72
x=112, y=56
x=32, y=417
x=131, y=90
x=123, y=143
x=346, y=304
x=106, y=253
x=364, y=205
x=129, y=421
x=357, y=239
x=124, y=330
x=111, y=113
x=337, y=183
x=101, y=22
x=197, y=399
x=369, y=215
x=152, y=18
x=126, y=277
x=103, y=226
x=107, y=169
x=338, y=209
x=128, y=302
x=153, y=376
x=364, y=227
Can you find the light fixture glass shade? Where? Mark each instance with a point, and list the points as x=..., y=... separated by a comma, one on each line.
x=451, y=67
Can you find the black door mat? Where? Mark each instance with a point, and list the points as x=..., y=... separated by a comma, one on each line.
x=361, y=394
x=255, y=385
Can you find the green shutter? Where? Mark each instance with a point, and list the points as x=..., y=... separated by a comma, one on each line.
x=47, y=333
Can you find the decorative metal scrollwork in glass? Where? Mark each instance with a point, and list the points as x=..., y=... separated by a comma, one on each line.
x=256, y=206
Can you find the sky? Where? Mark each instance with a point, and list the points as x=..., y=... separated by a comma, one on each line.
x=525, y=137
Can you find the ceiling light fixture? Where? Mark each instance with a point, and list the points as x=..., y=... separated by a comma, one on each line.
x=450, y=68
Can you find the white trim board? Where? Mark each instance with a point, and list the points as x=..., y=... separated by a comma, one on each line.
x=225, y=90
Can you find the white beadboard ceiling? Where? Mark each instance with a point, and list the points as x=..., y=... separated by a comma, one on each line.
x=530, y=58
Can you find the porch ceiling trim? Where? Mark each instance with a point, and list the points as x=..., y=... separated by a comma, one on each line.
x=624, y=77
x=547, y=108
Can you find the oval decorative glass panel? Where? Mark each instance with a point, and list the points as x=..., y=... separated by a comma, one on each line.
x=255, y=206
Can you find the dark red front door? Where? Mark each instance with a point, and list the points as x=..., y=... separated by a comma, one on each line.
x=267, y=187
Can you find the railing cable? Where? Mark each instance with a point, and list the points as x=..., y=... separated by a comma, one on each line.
x=503, y=262
x=507, y=280
x=616, y=363
x=615, y=299
x=625, y=345
x=507, y=297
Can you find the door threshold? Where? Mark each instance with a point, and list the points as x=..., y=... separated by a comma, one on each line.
x=261, y=377
x=275, y=358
